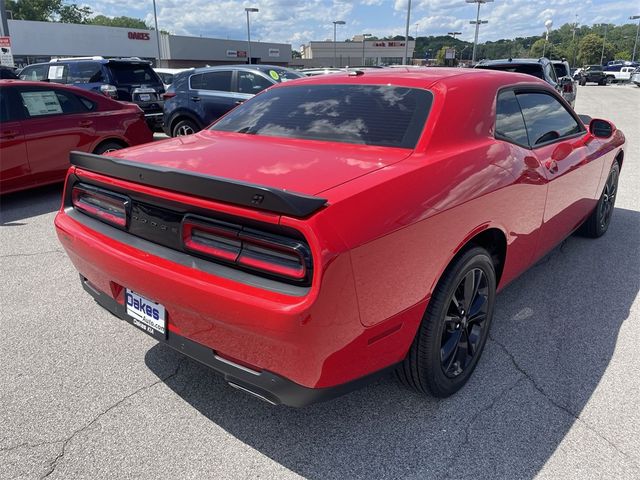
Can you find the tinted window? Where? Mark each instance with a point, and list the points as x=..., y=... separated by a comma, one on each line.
x=167, y=78
x=551, y=73
x=528, y=68
x=212, y=81
x=34, y=73
x=545, y=117
x=366, y=114
x=85, y=72
x=4, y=105
x=561, y=70
x=129, y=73
x=509, y=122
x=249, y=82
x=50, y=102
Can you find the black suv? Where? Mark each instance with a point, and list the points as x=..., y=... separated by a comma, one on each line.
x=127, y=79
x=593, y=73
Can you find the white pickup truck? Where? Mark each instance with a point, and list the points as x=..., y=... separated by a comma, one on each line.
x=623, y=75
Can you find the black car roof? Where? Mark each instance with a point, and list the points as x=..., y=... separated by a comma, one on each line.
x=508, y=61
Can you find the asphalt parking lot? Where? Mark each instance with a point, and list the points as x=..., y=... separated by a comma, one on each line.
x=556, y=394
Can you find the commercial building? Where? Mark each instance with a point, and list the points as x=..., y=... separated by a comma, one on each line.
x=34, y=42
x=355, y=52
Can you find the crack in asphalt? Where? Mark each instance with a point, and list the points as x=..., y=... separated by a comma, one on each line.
x=476, y=417
x=12, y=255
x=561, y=407
x=54, y=463
x=28, y=445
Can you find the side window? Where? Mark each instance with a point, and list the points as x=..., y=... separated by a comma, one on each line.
x=551, y=73
x=58, y=73
x=509, y=122
x=35, y=73
x=4, y=105
x=50, y=102
x=85, y=72
x=546, y=118
x=216, y=81
x=249, y=82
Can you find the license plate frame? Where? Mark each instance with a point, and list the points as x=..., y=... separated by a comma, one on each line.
x=145, y=97
x=146, y=314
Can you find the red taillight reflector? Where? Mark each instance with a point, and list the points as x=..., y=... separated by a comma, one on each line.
x=568, y=88
x=168, y=95
x=263, y=252
x=105, y=206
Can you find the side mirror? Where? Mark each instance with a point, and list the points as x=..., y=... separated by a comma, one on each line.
x=600, y=128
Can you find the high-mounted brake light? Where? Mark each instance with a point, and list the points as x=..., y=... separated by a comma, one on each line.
x=106, y=206
x=263, y=252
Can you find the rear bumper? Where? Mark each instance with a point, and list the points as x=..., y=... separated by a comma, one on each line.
x=264, y=385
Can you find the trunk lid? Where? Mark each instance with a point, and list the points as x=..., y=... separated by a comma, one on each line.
x=302, y=166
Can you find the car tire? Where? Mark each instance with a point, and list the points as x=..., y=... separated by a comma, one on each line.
x=108, y=147
x=184, y=127
x=598, y=222
x=582, y=82
x=439, y=362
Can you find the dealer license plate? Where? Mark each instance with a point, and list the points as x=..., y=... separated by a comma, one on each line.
x=146, y=314
x=145, y=97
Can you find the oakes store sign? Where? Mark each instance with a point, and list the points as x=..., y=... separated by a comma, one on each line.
x=138, y=36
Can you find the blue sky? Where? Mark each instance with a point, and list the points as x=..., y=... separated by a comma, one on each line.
x=297, y=22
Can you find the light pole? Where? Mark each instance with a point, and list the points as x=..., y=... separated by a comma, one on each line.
x=364, y=37
x=573, y=41
x=335, y=23
x=155, y=19
x=453, y=34
x=635, y=17
x=249, y=10
x=406, y=35
x=477, y=23
x=604, y=39
x=548, y=24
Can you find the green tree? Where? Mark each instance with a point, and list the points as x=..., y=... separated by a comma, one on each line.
x=590, y=50
x=125, y=22
x=538, y=48
x=623, y=55
x=37, y=10
x=73, y=14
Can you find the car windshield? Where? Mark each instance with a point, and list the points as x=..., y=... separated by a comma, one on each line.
x=280, y=74
x=534, y=69
x=380, y=115
x=130, y=73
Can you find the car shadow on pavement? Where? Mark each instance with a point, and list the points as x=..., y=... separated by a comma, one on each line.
x=553, y=338
x=29, y=203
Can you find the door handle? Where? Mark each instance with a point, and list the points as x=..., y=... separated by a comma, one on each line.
x=9, y=134
x=552, y=166
x=85, y=123
x=195, y=99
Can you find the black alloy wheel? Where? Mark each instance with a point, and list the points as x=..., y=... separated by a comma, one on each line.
x=464, y=323
x=184, y=127
x=455, y=326
x=598, y=222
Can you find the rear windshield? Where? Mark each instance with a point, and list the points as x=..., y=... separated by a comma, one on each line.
x=380, y=115
x=529, y=69
x=561, y=70
x=133, y=73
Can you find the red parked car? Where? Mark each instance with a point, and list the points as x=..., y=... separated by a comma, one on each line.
x=339, y=226
x=40, y=123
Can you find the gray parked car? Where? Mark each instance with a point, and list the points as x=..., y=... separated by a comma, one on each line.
x=568, y=84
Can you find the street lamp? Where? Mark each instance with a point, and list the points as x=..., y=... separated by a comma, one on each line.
x=155, y=19
x=249, y=10
x=604, y=39
x=335, y=23
x=406, y=35
x=573, y=41
x=477, y=23
x=364, y=37
x=453, y=34
x=635, y=17
x=548, y=24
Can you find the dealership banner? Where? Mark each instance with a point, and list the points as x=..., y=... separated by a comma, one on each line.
x=6, y=58
x=236, y=54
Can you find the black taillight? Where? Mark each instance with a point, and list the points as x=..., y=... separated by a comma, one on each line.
x=106, y=206
x=274, y=255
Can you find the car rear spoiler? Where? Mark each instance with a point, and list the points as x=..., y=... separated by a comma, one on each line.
x=214, y=188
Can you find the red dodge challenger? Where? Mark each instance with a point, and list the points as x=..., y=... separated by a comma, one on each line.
x=336, y=227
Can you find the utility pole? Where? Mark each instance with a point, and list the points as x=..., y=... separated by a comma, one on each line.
x=406, y=35
x=4, y=25
x=604, y=39
x=477, y=23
